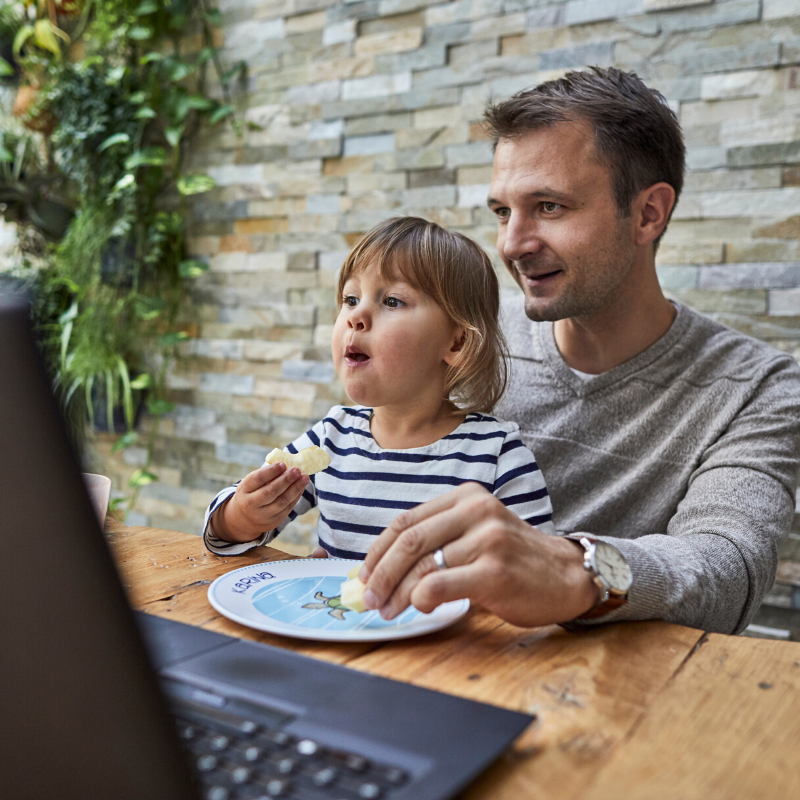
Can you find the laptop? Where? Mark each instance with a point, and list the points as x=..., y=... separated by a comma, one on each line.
x=101, y=702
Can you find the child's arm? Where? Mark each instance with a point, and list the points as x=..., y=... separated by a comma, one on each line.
x=255, y=510
x=519, y=484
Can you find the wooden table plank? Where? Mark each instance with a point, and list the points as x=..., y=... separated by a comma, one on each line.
x=167, y=573
x=640, y=710
x=588, y=691
x=727, y=725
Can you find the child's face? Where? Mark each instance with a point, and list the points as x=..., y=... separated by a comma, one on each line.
x=391, y=343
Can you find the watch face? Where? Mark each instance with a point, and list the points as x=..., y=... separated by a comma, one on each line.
x=612, y=567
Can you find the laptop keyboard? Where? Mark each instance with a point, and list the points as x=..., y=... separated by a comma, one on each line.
x=236, y=758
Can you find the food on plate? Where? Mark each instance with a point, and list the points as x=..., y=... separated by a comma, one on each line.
x=352, y=592
x=309, y=460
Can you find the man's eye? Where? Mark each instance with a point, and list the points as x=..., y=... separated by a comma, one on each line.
x=502, y=213
x=550, y=207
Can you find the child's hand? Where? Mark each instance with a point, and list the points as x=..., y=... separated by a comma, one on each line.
x=262, y=501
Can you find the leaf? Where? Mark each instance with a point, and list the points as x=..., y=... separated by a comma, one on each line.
x=206, y=54
x=115, y=75
x=160, y=407
x=115, y=138
x=254, y=126
x=173, y=135
x=124, y=182
x=141, y=478
x=5, y=68
x=147, y=7
x=140, y=33
x=196, y=183
x=148, y=57
x=148, y=157
x=109, y=400
x=141, y=381
x=220, y=113
x=137, y=98
x=213, y=17
x=5, y=155
x=179, y=70
x=126, y=440
x=71, y=391
x=46, y=35
x=23, y=34
x=145, y=113
x=66, y=332
x=89, y=403
x=171, y=339
x=239, y=68
x=149, y=307
x=127, y=395
x=192, y=268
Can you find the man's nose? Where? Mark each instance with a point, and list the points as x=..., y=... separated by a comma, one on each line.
x=521, y=238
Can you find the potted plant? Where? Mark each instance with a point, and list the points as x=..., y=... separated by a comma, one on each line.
x=114, y=286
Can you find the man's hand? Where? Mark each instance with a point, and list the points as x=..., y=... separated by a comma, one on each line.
x=262, y=501
x=494, y=558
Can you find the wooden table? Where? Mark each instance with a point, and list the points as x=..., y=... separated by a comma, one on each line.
x=636, y=710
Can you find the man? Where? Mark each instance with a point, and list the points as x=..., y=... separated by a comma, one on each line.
x=670, y=444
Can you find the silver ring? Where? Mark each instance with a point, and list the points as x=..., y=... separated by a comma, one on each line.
x=438, y=559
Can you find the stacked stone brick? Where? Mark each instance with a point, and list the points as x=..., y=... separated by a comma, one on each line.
x=357, y=111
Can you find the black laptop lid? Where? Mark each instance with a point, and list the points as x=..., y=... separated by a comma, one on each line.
x=81, y=715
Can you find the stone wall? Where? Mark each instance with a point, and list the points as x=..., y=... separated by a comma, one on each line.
x=362, y=110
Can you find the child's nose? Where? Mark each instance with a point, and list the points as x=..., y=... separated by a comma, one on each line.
x=359, y=318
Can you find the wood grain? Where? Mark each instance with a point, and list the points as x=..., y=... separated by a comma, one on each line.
x=644, y=711
x=588, y=691
x=727, y=725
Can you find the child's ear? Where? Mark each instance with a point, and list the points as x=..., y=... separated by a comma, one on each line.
x=457, y=344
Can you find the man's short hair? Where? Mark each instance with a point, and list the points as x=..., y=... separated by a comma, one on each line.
x=637, y=135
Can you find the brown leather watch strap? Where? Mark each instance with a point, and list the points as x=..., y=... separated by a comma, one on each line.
x=614, y=601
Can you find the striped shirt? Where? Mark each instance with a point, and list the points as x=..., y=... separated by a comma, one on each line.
x=366, y=486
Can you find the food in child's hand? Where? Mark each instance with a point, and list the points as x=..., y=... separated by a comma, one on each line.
x=309, y=460
x=352, y=591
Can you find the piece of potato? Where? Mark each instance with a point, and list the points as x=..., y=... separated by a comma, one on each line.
x=353, y=573
x=309, y=460
x=352, y=594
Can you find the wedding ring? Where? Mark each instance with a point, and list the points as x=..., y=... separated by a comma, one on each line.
x=438, y=559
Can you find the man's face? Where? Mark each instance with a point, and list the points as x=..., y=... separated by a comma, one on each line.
x=558, y=229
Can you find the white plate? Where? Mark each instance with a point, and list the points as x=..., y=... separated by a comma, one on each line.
x=300, y=598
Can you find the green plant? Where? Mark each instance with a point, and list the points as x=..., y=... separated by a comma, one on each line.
x=114, y=285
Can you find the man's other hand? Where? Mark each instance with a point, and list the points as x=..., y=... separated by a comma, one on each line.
x=493, y=558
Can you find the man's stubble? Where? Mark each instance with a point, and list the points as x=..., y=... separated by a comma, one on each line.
x=593, y=281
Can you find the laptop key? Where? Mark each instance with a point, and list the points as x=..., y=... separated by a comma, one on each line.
x=278, y=788
x=219, y=743
x=307, y=748
x=394, y=776
x=286, y=766
x=369, y=791
x=325, y=777
x=206, y=763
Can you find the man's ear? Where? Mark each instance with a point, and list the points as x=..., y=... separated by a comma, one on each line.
x=456, y=344
x=652, y=209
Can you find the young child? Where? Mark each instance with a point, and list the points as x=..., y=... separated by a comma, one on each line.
x=417, y=346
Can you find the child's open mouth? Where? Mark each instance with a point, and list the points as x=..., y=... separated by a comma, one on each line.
x=355, y=357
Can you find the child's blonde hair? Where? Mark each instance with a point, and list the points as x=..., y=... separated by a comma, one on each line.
x=458, y=275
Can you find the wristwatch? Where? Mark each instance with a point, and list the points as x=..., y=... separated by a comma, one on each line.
x=610, y=571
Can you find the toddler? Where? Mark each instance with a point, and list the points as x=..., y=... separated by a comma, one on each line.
x=418, y=348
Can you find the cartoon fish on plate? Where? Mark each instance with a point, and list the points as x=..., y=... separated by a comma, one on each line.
x=334, y=604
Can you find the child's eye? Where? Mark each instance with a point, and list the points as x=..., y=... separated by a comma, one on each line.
x=351, y=301
x=393, y=302
x=550, y=207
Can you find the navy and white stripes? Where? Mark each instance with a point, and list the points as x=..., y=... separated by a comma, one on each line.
x=366, y=487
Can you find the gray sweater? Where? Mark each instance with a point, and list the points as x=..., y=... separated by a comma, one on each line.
x=684, y=457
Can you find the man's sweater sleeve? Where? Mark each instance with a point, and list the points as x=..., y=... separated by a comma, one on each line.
x=717, y=559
